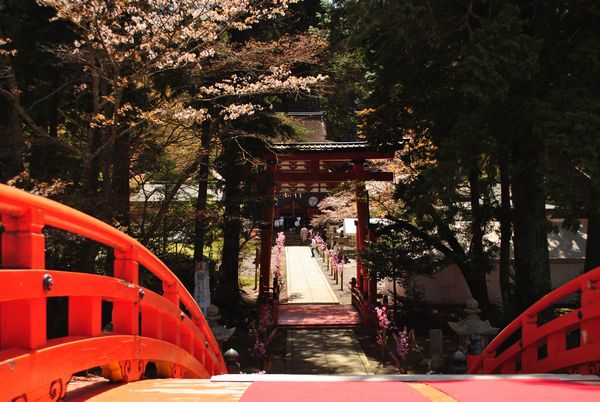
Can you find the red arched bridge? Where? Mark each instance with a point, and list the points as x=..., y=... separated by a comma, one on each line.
x=167, y=329
x=170, y=331
x=543, y=341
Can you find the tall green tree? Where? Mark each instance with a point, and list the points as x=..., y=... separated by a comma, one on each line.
x=569, y=118
x=495, y=86
x=34, y=86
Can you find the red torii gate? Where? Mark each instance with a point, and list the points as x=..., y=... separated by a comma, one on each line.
x=329, y=163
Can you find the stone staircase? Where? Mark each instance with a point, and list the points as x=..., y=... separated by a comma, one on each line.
x=293, y=239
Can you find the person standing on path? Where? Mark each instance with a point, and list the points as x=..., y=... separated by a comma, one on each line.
x=304, y=234
x=313, y=245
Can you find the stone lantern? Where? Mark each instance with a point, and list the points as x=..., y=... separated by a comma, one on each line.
x=220, y=332
x=472, y=325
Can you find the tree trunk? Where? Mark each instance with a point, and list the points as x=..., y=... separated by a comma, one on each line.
x=505, y=238
x=201, y=224
x=592, y=248
x=478, y=263
x=91, y=173
x=476, y=281
x=395, y=295
x=13, y=147
x=91, y=162
x=120, y=181
x=91, y=184
x=532, y=266
x=105, y=212
x=228, y=290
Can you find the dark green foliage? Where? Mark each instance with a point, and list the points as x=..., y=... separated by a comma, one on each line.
x=398, y=256
x=486, y=83
x=42, y=83
x=401, y=256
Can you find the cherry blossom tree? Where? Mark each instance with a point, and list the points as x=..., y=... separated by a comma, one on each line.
x=151, y=76
x=123, y=45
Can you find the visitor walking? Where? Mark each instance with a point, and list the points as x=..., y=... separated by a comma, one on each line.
x=313, y=246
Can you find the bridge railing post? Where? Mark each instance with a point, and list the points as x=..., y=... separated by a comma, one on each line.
x=23, y=322
x=488, y=359
x=529, y=352
x=171, y=332
x=590, y=327
x=170, y=328
x=200, y=348
x=126, y=313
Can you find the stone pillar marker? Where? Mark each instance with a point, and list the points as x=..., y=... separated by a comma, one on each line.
x=436, y=350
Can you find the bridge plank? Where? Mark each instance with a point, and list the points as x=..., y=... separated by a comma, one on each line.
x=157, y=390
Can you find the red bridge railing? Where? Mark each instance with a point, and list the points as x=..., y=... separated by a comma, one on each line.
x=539, y=342
x=362, y=304
x=146, y=326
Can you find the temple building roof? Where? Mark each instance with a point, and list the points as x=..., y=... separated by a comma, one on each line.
x=355, y=146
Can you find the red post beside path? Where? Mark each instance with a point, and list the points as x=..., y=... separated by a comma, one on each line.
x=362, y=213
x=372, y=278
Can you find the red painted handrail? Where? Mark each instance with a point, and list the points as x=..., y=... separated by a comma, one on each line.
x=544, y=348
x=146, y=327
x=363, y=306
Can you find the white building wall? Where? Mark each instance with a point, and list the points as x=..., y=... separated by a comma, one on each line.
x=449, y=287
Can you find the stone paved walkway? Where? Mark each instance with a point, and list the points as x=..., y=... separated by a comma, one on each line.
x=306, y=283
x=316, y=351
x=325, y=351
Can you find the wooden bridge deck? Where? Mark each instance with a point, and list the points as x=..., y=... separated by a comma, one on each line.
x=321, y=388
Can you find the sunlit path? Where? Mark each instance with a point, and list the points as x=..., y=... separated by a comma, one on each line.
x=318, y=316
x=306, y=283
x=326, y=351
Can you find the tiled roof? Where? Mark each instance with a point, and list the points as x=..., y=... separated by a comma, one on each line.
x=155, y=192
x=318, y=113
x=357, y=146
